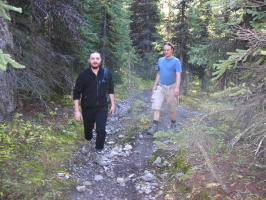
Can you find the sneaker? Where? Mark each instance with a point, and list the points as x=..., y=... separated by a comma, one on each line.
x=88, y=145
x=99, y=150
x=153, y=129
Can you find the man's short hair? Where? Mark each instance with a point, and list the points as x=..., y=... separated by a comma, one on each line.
x=169, y=44
x=95, y=52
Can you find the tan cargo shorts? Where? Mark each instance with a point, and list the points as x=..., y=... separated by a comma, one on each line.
x=167, y=93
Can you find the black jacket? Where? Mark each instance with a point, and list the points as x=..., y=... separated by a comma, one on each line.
x=92, y=88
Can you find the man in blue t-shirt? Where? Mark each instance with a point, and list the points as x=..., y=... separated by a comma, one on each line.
x=166, y=86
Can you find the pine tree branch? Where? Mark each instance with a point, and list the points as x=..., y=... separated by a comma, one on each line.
x=198, y=142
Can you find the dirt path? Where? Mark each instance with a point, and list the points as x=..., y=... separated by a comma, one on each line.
x=114, y=174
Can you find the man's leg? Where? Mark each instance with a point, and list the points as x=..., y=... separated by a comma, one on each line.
x=156, y=115
x=173, y=120
x=101, y=118
x=173, y=115
x=158, y=99
x=172, y=100
x=88, y=121
x=155, y=123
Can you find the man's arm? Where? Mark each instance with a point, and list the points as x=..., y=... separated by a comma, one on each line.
x=77, y=113
x=178, y=81
x=111, y=93
x=156, y=81
x=112, y=99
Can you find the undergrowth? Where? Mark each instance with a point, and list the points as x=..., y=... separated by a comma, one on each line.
x=33, y=153
x=215, y=122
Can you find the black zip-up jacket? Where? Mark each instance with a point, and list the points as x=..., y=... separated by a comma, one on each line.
x=92, y=88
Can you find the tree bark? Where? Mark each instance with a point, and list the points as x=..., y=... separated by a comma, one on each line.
x=8, y=93
x=104, y=36
x=182, y=49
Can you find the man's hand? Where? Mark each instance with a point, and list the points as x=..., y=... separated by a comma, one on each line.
x=154, y=88
x=78, y=116
x=177, y=92
x=112, y=110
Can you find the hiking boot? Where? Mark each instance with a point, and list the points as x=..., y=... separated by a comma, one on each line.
x=173, y=126
x=153, y=129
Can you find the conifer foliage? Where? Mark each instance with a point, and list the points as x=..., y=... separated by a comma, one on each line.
x=145, y=17
x=6, y=58
x=107, y=30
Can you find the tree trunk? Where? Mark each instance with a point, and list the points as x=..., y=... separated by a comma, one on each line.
x=104, y=36
x=182, y=49
x=8, y=93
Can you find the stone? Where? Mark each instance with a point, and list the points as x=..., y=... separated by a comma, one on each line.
x=148, y=176
x=165, y=163
x=131, y=175
x=164, y=175
x=128, y=147
x=121, y=181
x=98, y=178
x=87, y=183
x=60, y=174
x=111, y=142
x=85, y=150
x=148, y=191
x=102, y=161
x=81, y=188
x=157, y=161
x=180, y=174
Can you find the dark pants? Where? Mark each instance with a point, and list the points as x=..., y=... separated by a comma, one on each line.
x=98, y=115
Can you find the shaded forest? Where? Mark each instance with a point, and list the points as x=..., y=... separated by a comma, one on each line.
x=221, y=45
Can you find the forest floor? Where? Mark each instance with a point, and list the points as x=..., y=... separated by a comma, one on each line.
x=49, y=158
x=132, y=167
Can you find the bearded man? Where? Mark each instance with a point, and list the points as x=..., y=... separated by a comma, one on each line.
x=93, y=85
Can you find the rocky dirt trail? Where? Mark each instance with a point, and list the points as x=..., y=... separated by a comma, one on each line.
x=122, y=172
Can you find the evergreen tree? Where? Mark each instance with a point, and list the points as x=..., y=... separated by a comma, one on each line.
x=145, y=17
x=107, y=31
x=176, y=27
x=6, y=58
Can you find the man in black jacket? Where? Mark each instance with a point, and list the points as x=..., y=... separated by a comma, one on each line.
x=94, y=84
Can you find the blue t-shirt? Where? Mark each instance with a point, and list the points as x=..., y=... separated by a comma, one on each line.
x=168, y=69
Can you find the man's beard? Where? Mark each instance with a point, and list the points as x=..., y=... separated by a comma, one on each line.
x=95, y=67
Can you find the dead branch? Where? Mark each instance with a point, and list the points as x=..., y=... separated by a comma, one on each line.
x=262, y=3
x=259, y=145
x=197, y=140
x=255, y=38
x=240, y=135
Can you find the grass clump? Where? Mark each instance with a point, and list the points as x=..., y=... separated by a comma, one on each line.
x=31, y=155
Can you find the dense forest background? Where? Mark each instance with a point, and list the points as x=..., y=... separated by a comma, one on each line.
x=219, y=42
x=216, y=40
x=221, y=45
